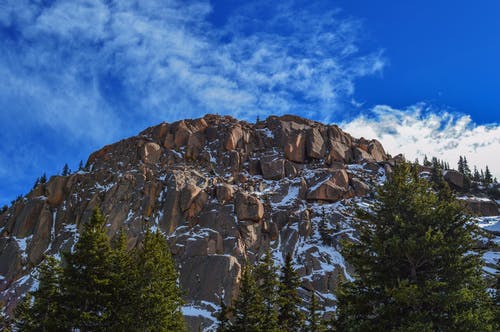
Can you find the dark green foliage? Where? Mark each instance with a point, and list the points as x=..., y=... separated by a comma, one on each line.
x=40, y=310
x=66, y=171
x=106, y=288
x=426, y=161
x=488, y=179
x=124, y=277
x=290, y=317
x=159, y=297
x=43, y=179
x=87, y=282
x=80, y=166
x=223, y=322
x=4, y=209
x=313, y=319
x=414, y=272
x=267, y=282
x=37, y=182
x=249, y=307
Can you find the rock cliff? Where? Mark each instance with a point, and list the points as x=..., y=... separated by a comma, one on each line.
x=222, y=190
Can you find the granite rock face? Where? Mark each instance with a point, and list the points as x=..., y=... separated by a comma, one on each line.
x=222, y=190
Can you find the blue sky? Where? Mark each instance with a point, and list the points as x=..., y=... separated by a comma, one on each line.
x=423, y=77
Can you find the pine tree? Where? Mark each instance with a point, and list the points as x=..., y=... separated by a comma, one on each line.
x=41, y=310
x=223, y=322
x=426, y=161
x=248, y=308
x=488, y=178
x=290, y=316
x=414, y=270
x=65, y=171
x=124, y=277
x=43, y=179
x=267, y=281
x=313, y=319
x=475, y=175
x=37, y=182
x=80, y=166
x=87, y=282
x=159, y=302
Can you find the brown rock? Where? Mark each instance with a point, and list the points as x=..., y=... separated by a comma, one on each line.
x=272, y=168
x=456, y=179
x=234, y=137
x=150, y=153
x=41, y=236
x=315, y=145
x=26, y=219
x=182, y=134
x=10, y=259
x=224, y=193
x=188, y=194
x=205, y=277
x=360, y=188
x=339, y=152
x=295, y=148
x=55, y=190
x=248, y=207
x=376, y=149
x=482, y=207
x=361, y=155
x=331, y=190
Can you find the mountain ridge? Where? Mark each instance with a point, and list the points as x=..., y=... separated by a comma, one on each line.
x=222, y=191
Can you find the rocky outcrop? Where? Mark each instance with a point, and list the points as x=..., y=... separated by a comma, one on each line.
x=248, y=208
x=482, y=206
x=222, y=190
x=454, y=178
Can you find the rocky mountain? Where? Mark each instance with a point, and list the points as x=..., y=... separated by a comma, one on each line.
x=223, y=191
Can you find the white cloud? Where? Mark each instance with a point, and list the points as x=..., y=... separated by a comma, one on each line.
x=421, y=130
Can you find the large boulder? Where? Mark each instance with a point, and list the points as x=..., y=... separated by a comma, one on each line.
x=332, y=190
x=248, y=207
x=224, y=193
x=272, y=168
x=206, y=278
x=295, y=148
x=482, y=206
x=315, y=145
x=456, y=179
x=234, y=137
x=55, y=190
x=150, y=153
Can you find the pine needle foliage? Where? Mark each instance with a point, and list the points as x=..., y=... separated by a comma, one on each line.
x=413, y=263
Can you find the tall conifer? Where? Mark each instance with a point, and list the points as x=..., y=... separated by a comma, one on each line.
x=413, y=263
x=290, y=316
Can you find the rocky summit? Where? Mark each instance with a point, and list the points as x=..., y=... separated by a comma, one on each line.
x=223, y=191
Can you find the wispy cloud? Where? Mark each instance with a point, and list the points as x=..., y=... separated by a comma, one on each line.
x=87, y=72
x=421, y=130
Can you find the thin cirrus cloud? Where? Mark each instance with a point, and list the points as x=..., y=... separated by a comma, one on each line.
x=78, y=74
x=420, y=130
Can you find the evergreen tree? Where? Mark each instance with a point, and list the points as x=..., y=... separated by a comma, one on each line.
x=124, y=277
x=80, y=166
x=267, y=281
x=41, y=309
x=37, y=182
x=426, y=161
x=43, y=179
x=248, y=308
x=223, y=322
x=159, y=301
x=313, y=319
x=437, y=174
x=488, y=178
x=65, y=171
x=475, y=175
x=289, y=316
x=414, y=270
x=87, y=282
